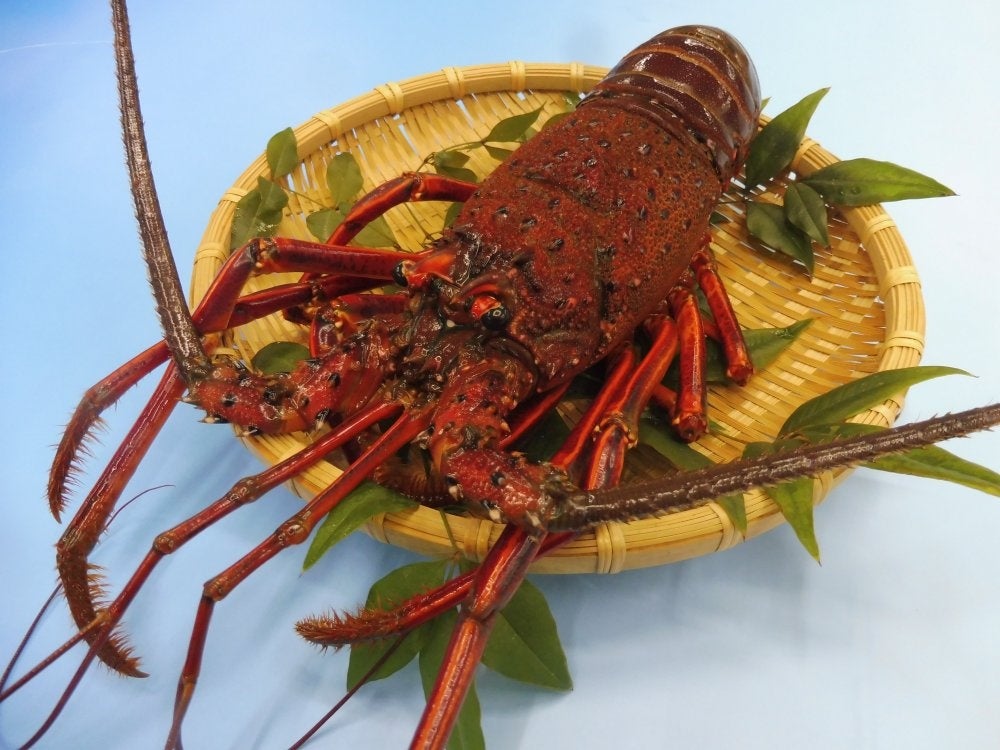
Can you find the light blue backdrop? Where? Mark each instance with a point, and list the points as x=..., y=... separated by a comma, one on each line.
x=891, y=643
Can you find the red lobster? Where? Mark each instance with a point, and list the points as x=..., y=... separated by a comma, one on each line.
x=595, y=231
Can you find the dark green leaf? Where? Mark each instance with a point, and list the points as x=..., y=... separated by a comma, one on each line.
x=468, y=731
x=767, y=223
x=365, y=502
x=452, y=213
x=322, y=223
x=735, y=508
x=804, y=208
x=861, y=182
x=394, y=588
x=545, y=438
x=718, y=218
x=933, y=462
x=343, y=178
x=525, y=644
x=775, y=145
x=657, y=435
x=852, y=398
x=459, y=173
x=279, y=356
x=376, y=234
x=450, y=158
x=500, y=154
x=794, y=499
x=282, y=154
x=930, y=462
x=763, y=344
x=555, y=118
x=512, y=128
x=571, y=100
x=258, y=213
x=766, y=344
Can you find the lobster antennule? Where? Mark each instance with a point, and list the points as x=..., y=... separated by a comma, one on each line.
x=693, y=78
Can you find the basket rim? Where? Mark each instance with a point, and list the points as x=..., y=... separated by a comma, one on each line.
x=614, y=546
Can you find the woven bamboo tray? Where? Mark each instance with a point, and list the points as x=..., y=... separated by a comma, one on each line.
x=864, y=299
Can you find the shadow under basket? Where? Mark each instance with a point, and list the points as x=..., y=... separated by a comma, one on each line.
x=863, y=299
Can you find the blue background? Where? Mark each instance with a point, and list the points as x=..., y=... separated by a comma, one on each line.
x=891, y=643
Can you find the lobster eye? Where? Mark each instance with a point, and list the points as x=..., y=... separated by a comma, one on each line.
x=496, y=318
x=398, y=275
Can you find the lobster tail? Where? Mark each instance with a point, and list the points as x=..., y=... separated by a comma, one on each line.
x=695, y=78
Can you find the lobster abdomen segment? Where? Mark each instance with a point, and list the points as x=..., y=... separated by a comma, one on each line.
x=698, y=77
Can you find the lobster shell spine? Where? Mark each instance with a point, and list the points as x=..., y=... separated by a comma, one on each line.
x=695, y=78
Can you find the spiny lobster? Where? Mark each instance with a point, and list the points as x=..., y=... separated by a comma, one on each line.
x=502, y=311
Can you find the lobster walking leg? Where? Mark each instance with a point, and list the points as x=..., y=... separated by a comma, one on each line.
x=496, y=581
x=689, y=412
x=739, y=368
x=617, y=411
x=292, y=532
x=410, y=187
x=102, y=636
x=81, y=535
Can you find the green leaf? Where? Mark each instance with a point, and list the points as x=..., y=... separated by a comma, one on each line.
x=394, y=588
x=861, y=182
x=279, y=356
x=735, y=508
x=767, y=223
x=930, y=462
x=452, y=213
x=282, y=153
x=545, y=438
x=365, y=502
x=468, y=731
x=555, y=118
x=766, y=344
x=512, y=128
x=657, y=435
x=763, y=344
x=775, y=145
x=852, y=398
x=459, y=173
x=804, y=208
x=376, y=234
x=258, y=213
x=343, y=178
x=500, y=154
x=525, y=645
x=794, y=499
x=450, y=158
x=322, y=223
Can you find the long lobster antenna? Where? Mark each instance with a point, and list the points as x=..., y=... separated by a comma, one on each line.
x=179, y=331
x=692, y=489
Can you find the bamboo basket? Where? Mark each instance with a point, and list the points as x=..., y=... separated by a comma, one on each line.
x=864, y=299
